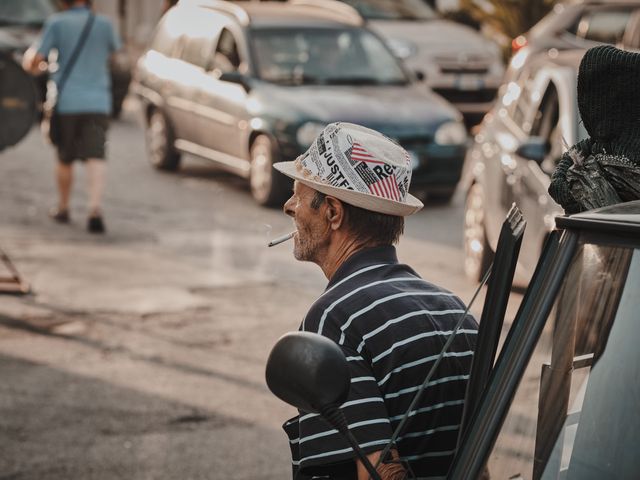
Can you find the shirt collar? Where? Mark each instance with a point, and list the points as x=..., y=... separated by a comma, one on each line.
x=364, y=258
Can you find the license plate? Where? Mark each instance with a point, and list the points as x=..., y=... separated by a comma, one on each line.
x=469, y=82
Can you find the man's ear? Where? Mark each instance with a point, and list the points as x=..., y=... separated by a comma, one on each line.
x=334, y=212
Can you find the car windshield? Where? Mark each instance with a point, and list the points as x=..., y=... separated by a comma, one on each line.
x=324, y=56
x=393, y=9
x=575, y=413
x=25, y=12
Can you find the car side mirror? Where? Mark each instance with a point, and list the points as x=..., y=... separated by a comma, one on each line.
x=308, y=371
x=235, y=77
x=535, y=148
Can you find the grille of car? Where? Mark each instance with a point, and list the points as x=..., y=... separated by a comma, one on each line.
x=467, y=96
x=465, y=70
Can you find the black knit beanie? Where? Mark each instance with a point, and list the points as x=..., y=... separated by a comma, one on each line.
x=609, y=100
x=609, y=104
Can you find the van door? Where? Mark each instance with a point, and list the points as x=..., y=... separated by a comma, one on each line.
x=224, y=120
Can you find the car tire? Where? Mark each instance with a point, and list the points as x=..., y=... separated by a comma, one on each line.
x=159, y=138
x=268, y=186
x=477, y=252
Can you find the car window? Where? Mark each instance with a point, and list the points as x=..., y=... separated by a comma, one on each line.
x=575, y=412
x=25, y=12
x=199, y=38
x=522, y=104
x=167, y=34
x=546, y=125
x=324, y=55
x=226, y=57
x=606, y=26
x=197, y=50
x=393, y=9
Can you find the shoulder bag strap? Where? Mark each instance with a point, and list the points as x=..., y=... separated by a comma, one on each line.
x=76, y=53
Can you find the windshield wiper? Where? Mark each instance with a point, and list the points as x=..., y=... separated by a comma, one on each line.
x=362, y=81
x=352, y=81
x=300, y=79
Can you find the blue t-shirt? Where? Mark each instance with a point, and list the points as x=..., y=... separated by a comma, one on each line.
x=88, y=86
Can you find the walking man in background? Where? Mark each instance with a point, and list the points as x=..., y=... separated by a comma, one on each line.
x=84, y=43
x=350, y=197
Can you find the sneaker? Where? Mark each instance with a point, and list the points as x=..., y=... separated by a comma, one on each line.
x=60, y=216
x=95, y=224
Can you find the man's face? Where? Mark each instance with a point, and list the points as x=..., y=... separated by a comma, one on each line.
x=311, y=239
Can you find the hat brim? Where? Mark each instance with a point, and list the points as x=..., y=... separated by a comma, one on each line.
x=358, y=199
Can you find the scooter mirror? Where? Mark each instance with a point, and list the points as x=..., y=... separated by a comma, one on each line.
x=308, y=371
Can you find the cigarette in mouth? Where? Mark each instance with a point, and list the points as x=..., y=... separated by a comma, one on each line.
x=279, y=240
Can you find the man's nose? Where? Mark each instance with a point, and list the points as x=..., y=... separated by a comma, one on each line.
x=288, y=208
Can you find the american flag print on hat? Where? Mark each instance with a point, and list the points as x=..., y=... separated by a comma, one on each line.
x=387, y=186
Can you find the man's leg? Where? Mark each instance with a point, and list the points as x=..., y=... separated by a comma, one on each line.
x=64, y=177
x=96, y=178
x=64, y=180
x=93, y=139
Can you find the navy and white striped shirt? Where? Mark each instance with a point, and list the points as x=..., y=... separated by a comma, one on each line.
x=391, y=325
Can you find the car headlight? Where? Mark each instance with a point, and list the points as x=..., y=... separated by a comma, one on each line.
x=402, y=48
x=451, y=133
x=308, y=132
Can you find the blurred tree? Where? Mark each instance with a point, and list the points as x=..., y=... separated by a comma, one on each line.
x=505, y=20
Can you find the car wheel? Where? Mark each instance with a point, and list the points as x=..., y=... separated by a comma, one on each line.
x=268, y=186
x=477, y=252
x=159, y=138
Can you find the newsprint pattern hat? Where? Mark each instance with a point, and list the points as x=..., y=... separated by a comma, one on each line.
x=358, y=166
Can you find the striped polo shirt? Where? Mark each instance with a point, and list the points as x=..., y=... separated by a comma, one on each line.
x=391, y=325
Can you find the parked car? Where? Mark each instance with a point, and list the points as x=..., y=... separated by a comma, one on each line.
x=513, y=155
x=457, y=62
x=247, y=85
x=580, y=24
x=20, y=25
x=561, y=401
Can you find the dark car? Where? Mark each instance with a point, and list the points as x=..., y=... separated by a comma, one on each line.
x=20, y=25
x=561, y=401
x=249, y=84
x=513, y=155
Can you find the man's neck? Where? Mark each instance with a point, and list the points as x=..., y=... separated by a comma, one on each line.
x=338, y=252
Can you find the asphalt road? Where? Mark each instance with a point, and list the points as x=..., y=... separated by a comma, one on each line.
x=141, y=354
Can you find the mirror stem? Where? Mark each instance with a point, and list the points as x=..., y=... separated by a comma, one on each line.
x=336, y=418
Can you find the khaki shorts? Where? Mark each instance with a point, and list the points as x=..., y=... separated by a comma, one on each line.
x=82, y=136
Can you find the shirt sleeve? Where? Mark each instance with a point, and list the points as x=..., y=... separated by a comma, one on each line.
x=114, y=41
x=47, y=39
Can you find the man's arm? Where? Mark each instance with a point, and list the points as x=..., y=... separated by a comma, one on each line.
x=34, y=59
x=34, y=62
x=387, y=471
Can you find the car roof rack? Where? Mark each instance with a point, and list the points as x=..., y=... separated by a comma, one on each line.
x=226, y=7
x=333, y=5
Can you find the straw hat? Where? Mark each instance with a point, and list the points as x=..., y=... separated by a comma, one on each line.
x=359, y=166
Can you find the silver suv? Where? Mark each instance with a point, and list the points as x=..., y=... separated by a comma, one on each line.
x=457, y=62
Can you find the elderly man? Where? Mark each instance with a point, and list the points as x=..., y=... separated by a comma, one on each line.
x=349, y=199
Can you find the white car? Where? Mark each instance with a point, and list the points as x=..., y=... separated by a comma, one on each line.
x=457, y=61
